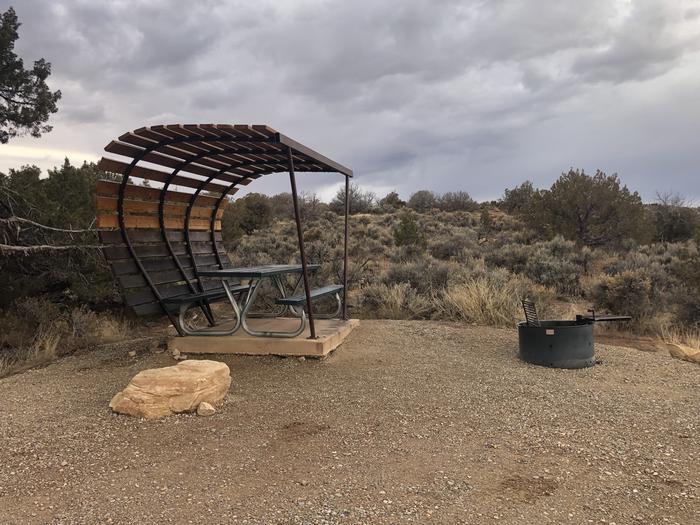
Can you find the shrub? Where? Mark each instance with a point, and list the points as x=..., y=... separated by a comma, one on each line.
x=512, y=256
x=391, y=202
x=674, y=220
x=486, y=222
x=409, y=233
x=551, y=271
x=246, y=215
x=36, y=331
x=556, y=264
x=518, y=199
x=398, y=301
x=457, y=201
x=404, y=254
x=687, y=310
x=424, y=275
x=360, y=201
x=423, y=201
x=658, y=269
x=452, y=246
x=627, y=293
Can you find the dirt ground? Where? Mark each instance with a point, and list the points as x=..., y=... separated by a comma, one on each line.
x=407, y=422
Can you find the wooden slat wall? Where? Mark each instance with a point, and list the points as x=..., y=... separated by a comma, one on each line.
x=143, y=228
x=141, y=208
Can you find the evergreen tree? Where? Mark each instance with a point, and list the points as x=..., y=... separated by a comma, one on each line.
x=591, y=210
x=26, y=102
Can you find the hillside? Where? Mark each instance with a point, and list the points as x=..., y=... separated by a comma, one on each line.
x=475, y=267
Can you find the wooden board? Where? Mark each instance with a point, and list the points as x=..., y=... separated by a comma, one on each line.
x=114, y=166
x=152, y=222
x=110, y=188
x=139, y=207
x=331, y=333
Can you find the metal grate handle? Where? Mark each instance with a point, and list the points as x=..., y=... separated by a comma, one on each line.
x=531, y=317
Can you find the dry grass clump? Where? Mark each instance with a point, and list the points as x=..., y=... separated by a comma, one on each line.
x=37, y=331
x=492, y=299
x=489, y=298
x=685, y=343
x=687, y=337
x=394, y=301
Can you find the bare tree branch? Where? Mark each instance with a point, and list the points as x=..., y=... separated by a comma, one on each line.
x=45, y=247
x=38, y=225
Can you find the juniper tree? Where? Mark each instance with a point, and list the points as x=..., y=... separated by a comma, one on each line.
x=26, y=102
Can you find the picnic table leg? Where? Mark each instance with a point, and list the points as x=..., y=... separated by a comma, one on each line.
x=277, y=312
x=261, y=333
x=332, y=315
x=234, y=304
x=292, y=309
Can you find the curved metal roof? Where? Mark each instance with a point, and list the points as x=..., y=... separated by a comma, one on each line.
x=211, y=156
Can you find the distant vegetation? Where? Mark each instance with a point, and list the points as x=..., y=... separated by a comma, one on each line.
x=585, y=241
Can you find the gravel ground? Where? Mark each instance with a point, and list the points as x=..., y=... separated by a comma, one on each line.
x=408, y=422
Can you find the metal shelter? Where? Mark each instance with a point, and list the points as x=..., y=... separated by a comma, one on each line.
x=211, y=161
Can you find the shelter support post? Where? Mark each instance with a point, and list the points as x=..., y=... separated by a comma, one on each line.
x=345, y=249
x=300, y=235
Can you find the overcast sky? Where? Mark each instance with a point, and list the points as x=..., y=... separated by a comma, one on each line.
x=411, y=94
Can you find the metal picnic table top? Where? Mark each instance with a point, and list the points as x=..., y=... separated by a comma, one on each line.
x=258, y=272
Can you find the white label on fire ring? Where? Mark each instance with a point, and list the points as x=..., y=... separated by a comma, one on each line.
x=549, y=331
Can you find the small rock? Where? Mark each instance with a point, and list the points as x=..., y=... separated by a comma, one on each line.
x=132, y=353
x=177, y=355
x=205, y=409
x=301, y=359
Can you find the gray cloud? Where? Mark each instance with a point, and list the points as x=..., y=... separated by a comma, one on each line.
x=446, y=94
x=648, y=43
x=85, y=113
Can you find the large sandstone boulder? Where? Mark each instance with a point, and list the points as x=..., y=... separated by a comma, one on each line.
x=160, y=392
x=685, y=353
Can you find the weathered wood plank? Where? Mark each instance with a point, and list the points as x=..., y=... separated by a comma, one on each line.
x=134, y=192
x=138, y=207
x=115, y=166
x=151, y=221
x=147, y=236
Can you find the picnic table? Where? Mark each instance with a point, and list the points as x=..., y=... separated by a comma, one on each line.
x=276, y=273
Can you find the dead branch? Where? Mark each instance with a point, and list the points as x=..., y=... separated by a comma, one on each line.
x=38, y=225
x=26, y=250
